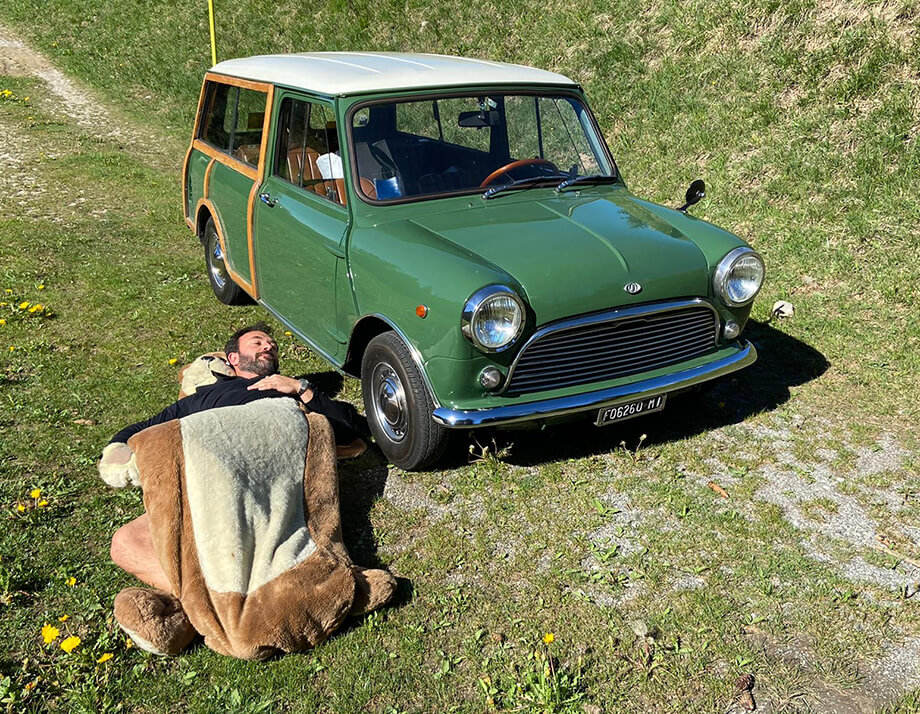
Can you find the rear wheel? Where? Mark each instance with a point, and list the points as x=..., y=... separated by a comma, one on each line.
x=398, y=405
x=223, y=286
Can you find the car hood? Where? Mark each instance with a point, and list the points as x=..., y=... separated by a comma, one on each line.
x=574, y=255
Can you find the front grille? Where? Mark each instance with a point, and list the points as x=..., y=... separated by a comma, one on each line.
x=601, y=347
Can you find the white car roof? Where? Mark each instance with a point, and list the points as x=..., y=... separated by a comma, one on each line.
x=340, y=73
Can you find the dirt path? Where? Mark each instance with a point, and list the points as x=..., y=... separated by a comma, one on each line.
x=78, y=103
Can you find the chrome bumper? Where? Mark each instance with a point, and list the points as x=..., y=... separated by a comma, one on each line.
x=561, y=406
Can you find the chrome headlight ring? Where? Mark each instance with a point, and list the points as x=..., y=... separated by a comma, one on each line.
x=497, y=311
x=739, y=276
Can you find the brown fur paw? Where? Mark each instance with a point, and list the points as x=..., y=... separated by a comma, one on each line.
x=154, y=619
x=352, y=450
x=373, y=588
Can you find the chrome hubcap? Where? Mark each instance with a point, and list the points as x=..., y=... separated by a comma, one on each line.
x=390, y=402
x=216, y=265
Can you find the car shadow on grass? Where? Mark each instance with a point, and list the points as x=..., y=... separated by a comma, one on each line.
x=783, y=362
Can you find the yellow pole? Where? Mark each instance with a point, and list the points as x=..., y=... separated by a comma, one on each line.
x=211, y=20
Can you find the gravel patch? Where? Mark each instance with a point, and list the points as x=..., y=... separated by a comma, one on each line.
x=843, y=517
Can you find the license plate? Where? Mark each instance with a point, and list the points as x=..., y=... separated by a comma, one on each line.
x=621, y=412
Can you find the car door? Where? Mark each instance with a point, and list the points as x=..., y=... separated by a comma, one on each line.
x=231, y=135
x=300, y=222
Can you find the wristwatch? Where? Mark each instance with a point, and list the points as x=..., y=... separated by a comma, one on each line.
x=305, y=384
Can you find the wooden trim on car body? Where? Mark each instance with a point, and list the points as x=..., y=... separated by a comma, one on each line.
x=188, y=155
x=256, y=174
x=237, y=278
x=206, y=188
x=238, y=165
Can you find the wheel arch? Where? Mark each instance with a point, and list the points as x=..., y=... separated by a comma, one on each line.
x=201, y=220
x=365, y=330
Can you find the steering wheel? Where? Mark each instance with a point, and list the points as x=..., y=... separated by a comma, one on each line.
x=502, y=170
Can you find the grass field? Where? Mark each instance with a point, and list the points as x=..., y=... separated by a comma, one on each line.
x=802, y=117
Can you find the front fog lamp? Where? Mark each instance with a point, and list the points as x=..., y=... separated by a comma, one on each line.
x=492, y=318
x=732, y=330
x=738, y=277
x=490, y=377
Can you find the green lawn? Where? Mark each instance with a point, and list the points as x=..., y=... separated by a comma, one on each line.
x=803, y=119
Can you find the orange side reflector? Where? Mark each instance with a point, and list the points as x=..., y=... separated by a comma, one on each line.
x=421, y=311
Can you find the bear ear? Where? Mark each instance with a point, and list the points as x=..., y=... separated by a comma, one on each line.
x=203, y=371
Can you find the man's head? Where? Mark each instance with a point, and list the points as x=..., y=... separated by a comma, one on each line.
x=252, y=352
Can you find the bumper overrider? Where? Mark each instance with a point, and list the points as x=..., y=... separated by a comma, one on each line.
x=573, y=404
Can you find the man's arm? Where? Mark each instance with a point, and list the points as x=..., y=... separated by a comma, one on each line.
x=285, y=385
x=173, y=411
x=345, y=421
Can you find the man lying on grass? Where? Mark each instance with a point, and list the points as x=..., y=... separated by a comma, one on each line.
x=253, y=355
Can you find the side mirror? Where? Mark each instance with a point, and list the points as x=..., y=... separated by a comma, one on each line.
x=695, y=194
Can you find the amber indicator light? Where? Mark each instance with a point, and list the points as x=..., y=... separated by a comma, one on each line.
x=421, y=311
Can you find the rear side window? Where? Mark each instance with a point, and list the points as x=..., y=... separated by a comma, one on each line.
x=233, y=120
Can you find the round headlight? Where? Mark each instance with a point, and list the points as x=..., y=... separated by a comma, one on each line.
x=492, y=318
x=738, y=277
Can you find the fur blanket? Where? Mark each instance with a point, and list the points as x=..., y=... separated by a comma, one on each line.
x=244, y=515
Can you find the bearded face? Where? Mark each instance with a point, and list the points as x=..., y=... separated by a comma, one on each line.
x=257, y=354
x=260, y=363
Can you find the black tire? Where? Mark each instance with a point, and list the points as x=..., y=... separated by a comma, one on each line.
x=398, y=405
x=225, y=290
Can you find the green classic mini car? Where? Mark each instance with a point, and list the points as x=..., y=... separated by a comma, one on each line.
x=456, y=233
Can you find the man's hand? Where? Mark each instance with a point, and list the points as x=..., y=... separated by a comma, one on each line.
x=285, y=385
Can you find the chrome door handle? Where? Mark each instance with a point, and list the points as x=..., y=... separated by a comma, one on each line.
x=267, y=199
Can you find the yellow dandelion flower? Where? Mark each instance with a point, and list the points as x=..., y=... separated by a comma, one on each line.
x=8, y=291
x=20, y=507
x=50, y=633
x=31, y=685
x=36, y=307
x=2, y=321
x=289, y=334
x=71, y=581
x=41, y=287
x=63, y=618
x=35, y=492
x=549, y=638
x=70, y=644
x=105, y=658
x=42, y=503
x=12, y=348
x=24, y=304
x=26, y=99
x=129, y=643
x=173, y=360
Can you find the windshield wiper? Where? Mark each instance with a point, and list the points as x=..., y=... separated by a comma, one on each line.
x=592, y=179
x=520, y=183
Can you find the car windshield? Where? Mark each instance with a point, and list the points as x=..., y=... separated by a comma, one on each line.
x=407, y=149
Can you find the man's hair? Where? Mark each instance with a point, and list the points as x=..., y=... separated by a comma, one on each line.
x=233, y=344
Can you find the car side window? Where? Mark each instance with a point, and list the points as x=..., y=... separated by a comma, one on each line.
x=233, y=121
x=247, y=130
x=308, y=152
x=221, y=104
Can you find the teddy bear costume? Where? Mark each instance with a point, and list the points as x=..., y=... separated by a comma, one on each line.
x=244, y=514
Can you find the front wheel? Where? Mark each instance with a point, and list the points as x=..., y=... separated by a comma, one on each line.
x=222, y=284
x=398, y=405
